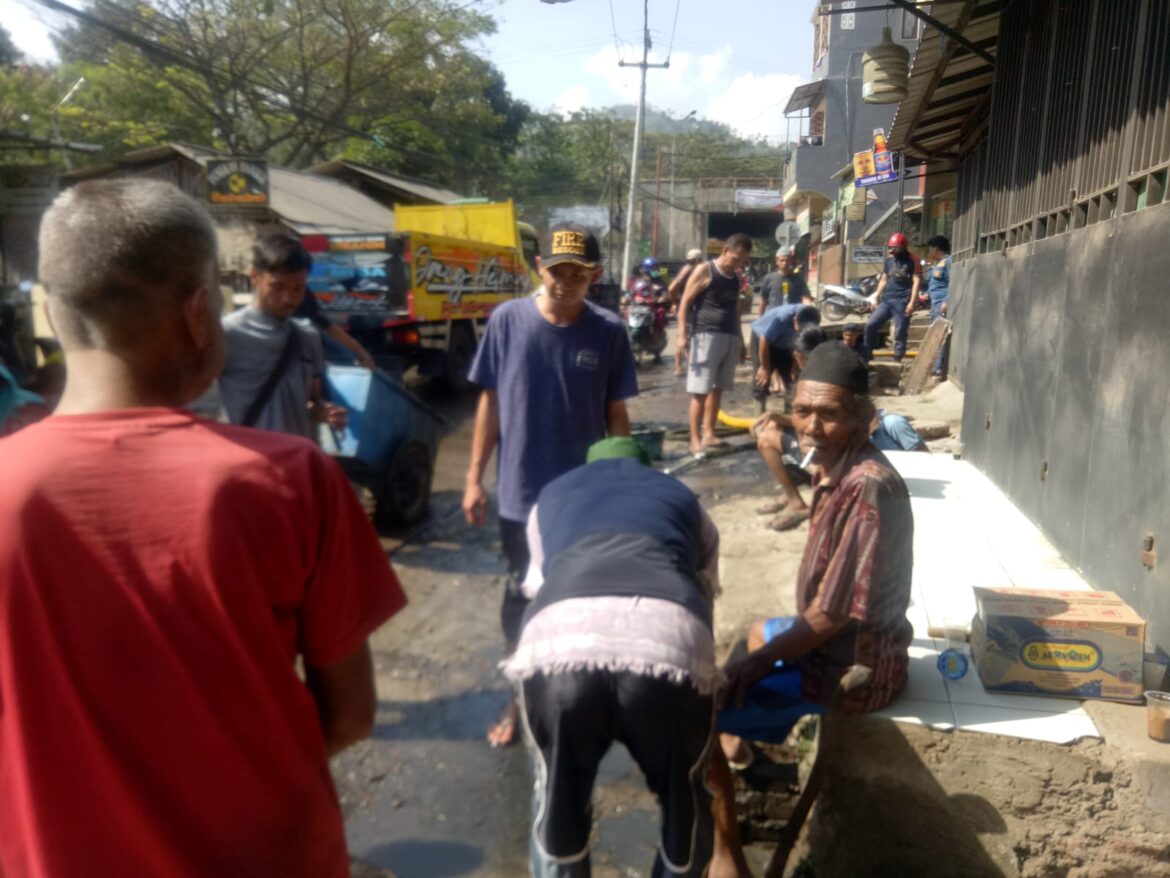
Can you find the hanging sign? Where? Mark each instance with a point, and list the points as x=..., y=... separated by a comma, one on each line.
x=759, y=199
x=237, y=181
x=874, y=166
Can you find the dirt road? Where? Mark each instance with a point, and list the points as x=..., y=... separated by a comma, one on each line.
x=426, y=797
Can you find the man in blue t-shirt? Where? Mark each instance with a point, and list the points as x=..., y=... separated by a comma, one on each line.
x=938, y=285
x=776, y=330
x=555, y=371
x=896, y=294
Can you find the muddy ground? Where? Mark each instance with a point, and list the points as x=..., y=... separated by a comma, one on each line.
x=426, y=797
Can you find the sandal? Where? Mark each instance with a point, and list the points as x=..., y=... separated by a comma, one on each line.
x=788, y=520
x=772, y=508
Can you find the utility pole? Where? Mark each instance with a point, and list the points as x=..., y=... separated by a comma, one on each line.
x=657, y=198
x=639, y=121
x=673, y=149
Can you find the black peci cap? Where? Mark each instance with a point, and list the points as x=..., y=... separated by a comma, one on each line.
x=835, y=363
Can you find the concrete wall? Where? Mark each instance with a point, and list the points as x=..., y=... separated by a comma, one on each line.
x=1064, y=345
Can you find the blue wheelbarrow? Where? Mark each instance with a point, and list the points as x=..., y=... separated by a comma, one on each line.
x=389, y=444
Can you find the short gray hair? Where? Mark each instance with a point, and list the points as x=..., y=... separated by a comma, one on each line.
x=118, y=255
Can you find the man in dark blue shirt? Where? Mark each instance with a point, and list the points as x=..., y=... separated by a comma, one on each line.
x=896, y=293
x=555, y=372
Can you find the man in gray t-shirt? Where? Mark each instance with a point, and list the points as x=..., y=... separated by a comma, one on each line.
x=784, y=286
x=264, y=339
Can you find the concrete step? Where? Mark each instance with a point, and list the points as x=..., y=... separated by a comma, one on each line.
x=916, y=334
x=889, y=373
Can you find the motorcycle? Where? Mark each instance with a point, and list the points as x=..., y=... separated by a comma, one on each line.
x=646, y=320
x=840, y=302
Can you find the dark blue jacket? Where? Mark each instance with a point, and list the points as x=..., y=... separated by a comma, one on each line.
x=618, y=528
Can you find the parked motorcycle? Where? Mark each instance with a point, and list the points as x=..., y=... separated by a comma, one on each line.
x=840, y=302
x=646, y=320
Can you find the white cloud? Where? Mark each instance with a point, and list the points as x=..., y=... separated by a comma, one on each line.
x=573, y=98
x=752, y=104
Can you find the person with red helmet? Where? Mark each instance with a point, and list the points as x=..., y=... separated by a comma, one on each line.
x=897, y=291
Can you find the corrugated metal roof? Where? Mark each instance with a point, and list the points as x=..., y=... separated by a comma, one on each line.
x=306, y=202
x=418, y=188
x=321, y=206
x=805, y=96
x=949, y=85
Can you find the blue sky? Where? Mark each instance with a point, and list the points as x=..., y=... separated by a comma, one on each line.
x=735, y=63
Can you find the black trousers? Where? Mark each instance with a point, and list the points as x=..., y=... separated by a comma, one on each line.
x=781, y=361
x=572, y=718
x=514, y=543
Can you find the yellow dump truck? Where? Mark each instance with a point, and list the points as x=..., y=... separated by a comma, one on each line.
x=422, y=294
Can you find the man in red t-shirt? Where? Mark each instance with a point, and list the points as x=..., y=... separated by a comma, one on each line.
x=160, y=575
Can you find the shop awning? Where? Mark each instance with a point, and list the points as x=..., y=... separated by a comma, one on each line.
x=950, y=86
x=805, y=97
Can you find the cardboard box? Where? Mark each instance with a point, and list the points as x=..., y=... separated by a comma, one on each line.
x=1075, y=644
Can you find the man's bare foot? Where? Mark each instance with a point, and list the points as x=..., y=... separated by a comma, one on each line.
x=739, y=754
x=503, y=732
x=724, y=865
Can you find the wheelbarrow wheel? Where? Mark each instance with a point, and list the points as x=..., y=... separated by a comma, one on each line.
x=406, y=491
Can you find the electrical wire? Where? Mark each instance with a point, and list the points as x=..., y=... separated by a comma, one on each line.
x=613, y=24
x=673, y=30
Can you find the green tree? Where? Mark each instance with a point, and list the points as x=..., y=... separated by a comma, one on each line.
x=392, y=81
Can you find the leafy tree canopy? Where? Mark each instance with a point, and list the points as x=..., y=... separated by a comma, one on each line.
x=586, y=155
x=394, y=82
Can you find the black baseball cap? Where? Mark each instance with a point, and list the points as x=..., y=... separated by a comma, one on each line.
x=569, y=242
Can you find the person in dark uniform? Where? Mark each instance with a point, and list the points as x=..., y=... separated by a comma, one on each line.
x=897, y=291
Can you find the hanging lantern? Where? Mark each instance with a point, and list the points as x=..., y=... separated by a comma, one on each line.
x=885, y=71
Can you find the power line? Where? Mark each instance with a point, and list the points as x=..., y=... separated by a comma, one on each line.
x=673, y=30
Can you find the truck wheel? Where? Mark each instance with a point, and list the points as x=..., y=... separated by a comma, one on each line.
x=406, y=490
x=460, y=353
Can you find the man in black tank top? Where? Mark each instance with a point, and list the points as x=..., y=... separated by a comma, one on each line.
x=716, y=339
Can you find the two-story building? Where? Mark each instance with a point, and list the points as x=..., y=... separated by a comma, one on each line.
x=829, y=122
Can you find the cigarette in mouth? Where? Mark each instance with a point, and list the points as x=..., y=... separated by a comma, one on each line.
x=808, y=458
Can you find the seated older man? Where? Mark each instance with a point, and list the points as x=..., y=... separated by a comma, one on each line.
x=852, y=590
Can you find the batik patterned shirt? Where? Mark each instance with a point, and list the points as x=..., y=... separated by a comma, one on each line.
x=857, y=563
